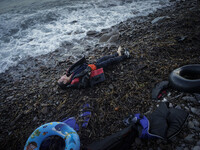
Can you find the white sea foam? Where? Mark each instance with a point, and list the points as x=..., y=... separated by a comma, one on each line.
x=34, y=28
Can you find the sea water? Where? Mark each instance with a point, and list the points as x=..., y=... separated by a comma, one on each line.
x=30, y=28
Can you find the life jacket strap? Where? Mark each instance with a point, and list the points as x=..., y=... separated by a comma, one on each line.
x=92, y=66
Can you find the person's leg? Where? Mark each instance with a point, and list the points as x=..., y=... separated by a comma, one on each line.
x=104, y=58
x=118, y=53
x=110, y=61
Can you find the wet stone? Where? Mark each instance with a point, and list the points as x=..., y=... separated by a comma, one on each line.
x=74, y=21
x=186, y=108
x=197, y=129
x=196, y=123
x=35, y=118
x=9, y=98
x=111, y=87
x=170, y=105
x=197, y=96
x=91, y=33
x=189, y=138
x=113, y=38
x=189, y=98
x=195, y=111
x=159, y=19
x=159, y=148
x=65, y=44
x=183, y=145
x=198, y=143
x=104, y=38
x=179, y=148
x=178, y=107
x=196, y=148
x=44, y=110
x=191, y=124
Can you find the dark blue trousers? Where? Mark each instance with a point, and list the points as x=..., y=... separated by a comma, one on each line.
x=109, y=60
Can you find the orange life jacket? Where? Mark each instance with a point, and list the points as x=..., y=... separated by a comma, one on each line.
x=96, y=76
x=93, y=67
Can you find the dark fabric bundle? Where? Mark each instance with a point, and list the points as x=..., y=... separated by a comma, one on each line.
x=166, y=122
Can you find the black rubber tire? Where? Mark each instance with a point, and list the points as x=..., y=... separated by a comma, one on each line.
x=179, y=82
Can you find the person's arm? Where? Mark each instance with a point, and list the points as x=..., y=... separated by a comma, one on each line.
x=86, y=71
x=78, y=63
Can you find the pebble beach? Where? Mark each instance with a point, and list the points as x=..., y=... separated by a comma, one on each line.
x=158, y=43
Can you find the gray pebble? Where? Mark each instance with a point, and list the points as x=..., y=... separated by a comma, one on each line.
x=190, y=125
x=197, y=96
x=159, y=19
x=9, y=98
x=197, y=129
x=111, y=87
x=170, y=105
x=183, y=105
x=196, y=148
x=178, y=107
x=189, y=98
x=91, y=33
x=159, y=148
x=195, y=111
x=44, y=110
x=113, y=38
x=183, y=145
x=189, y=138
x=187, y=108
x=10, y=133
x=104, y=38
x=196, y=123
x=34, y=119
x=198, y=143
x=179, y=148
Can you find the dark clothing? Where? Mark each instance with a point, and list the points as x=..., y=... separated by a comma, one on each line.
x=77, y=67
x=103, y=62
x=109, y=60
x=82, y=71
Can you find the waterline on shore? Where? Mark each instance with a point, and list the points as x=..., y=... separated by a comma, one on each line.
x=34, y=29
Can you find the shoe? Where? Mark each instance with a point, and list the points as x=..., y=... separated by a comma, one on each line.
x=82, y=120
x=127, y=53
x=119, y=50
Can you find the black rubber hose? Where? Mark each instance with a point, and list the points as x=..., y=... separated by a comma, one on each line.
x=186, y=78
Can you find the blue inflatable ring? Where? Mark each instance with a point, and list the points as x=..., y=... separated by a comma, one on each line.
x=70, y=136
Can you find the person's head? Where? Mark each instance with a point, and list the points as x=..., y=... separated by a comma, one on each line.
x=63, y=81
x=53, y=143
